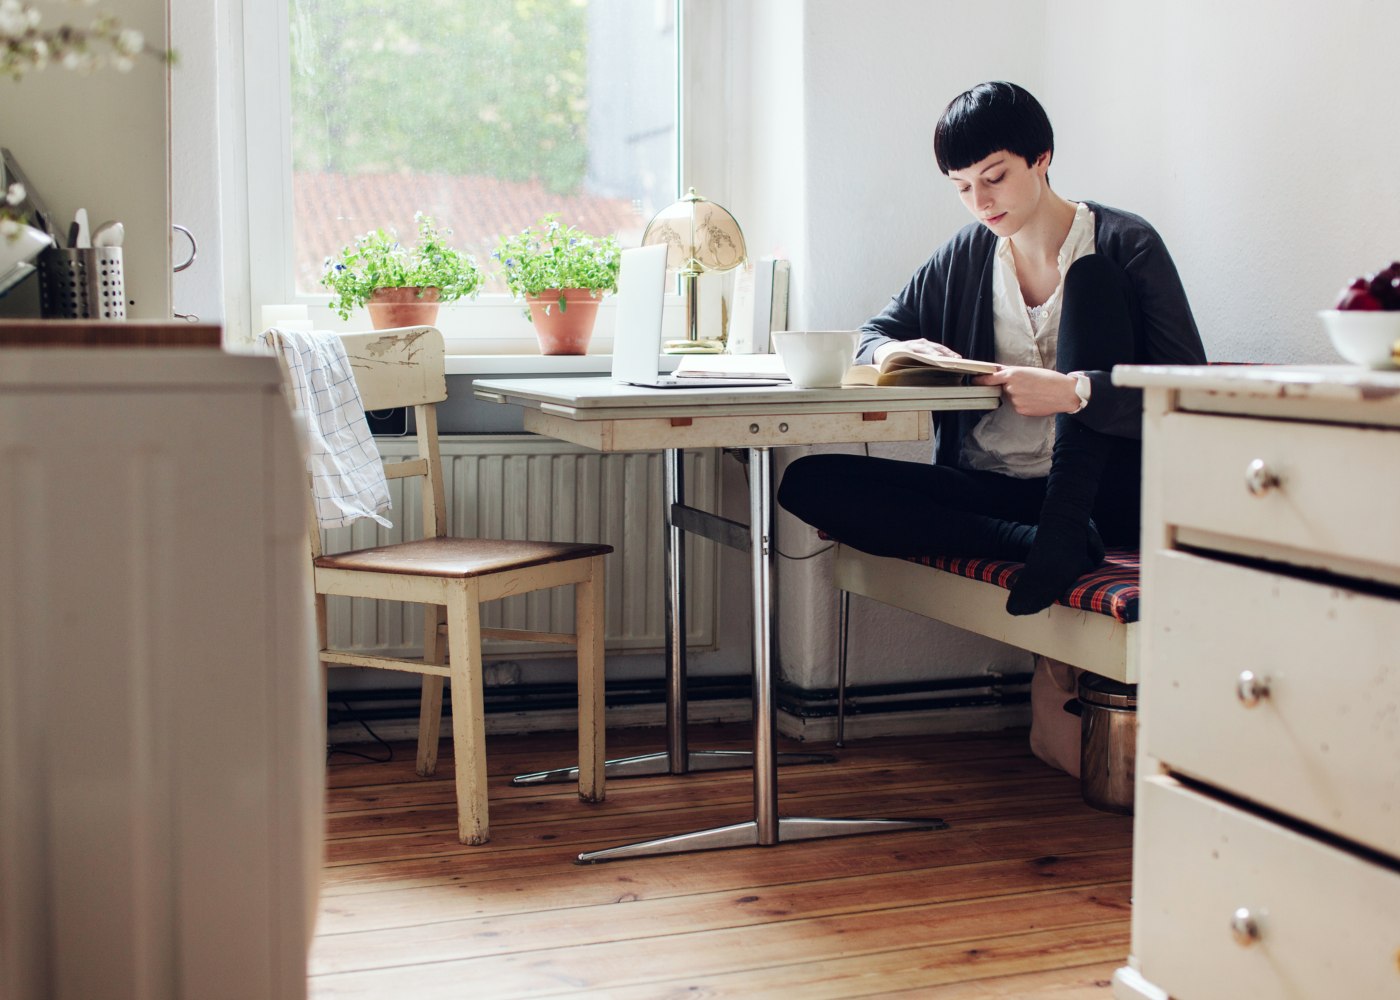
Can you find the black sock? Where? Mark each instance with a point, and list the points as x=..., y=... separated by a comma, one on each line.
x=1064, y=550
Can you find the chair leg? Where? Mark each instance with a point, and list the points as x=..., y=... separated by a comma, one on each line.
x=468, y=712
x=322, y=629
x=592, y=726
x=843, y=640
x=322, y=644
x=430, y=702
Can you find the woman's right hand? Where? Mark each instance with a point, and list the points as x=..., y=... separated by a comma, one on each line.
x=921, y=346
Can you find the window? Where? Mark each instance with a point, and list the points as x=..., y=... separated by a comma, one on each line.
x=484, y=114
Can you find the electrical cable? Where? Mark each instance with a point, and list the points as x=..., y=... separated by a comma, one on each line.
x=334, y=748
x=743, y=460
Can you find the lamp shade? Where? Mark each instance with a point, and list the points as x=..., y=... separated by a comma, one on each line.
x=700, y=236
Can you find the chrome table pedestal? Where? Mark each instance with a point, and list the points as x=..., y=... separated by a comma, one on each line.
x=767, y=828
x=678, y=758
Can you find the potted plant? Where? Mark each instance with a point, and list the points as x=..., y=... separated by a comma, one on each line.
x=561, y=273
x=402, y=286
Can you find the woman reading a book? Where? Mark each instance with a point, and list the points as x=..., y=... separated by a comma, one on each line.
x=1057, y=293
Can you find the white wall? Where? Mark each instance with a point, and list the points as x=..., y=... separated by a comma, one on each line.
x=862, y=206
x=1259, y=138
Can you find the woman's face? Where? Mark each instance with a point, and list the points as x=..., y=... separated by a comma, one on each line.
x=1002, y=191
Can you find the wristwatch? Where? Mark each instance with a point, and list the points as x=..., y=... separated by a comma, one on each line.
x=1082, y=388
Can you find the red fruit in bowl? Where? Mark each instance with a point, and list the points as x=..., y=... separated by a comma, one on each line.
x=1385, y=286
x=1358, y=295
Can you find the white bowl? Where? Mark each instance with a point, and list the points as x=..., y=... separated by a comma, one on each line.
x=816, y=359
x=1365, y=337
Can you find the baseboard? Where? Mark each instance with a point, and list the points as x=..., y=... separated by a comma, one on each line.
x=981, y=718
x=350, y=731
x=958, y=719
x=1128, y=984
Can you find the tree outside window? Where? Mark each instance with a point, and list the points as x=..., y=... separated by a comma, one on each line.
x=484, y=114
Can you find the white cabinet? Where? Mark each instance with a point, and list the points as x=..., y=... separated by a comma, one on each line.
x=161, y=747
x=1267, y=839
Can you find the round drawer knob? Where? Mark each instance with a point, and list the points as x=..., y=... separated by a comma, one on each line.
x=1251, y=688
x=1245, y=927
x=1258, y=479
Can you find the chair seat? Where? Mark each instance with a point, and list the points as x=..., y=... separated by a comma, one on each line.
x=458, y=558
x=1112, y=589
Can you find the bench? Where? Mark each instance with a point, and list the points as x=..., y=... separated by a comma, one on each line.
x=1093, y=627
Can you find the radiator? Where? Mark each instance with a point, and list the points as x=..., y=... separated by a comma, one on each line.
x=523, y=486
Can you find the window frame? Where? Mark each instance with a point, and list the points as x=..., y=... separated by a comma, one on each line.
x=493, y=323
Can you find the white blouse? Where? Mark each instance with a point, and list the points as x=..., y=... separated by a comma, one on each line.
x=1004, y=441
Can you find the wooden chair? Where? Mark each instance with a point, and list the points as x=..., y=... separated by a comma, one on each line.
x=452, y=577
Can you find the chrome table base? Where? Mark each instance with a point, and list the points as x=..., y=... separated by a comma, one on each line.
x=748, y=834
x=766, y=828
x=677, y=758
x=660, y=763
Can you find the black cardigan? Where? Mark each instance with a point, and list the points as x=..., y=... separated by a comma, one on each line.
x=949, y=300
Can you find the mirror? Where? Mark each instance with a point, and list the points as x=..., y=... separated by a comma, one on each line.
x=18, y=251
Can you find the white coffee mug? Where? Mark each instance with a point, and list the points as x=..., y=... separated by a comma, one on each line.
x=816, y=359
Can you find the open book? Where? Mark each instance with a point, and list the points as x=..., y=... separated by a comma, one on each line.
x=909, y=368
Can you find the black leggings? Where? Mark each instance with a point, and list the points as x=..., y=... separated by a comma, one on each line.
x=896, y=508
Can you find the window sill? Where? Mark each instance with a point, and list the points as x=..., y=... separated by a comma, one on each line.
x=485, y=365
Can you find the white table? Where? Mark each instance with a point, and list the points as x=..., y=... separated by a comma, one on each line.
x=598, y=413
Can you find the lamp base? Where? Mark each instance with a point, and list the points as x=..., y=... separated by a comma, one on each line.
x=686, y=346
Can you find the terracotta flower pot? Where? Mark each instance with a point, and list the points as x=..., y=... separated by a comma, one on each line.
x=395, y=307
x=565, y=330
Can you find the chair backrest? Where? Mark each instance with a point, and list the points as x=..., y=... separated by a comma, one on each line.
x=406, y=367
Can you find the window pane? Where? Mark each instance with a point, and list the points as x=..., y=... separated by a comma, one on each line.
x=484, y=114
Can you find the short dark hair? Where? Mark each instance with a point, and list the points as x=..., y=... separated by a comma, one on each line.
x=991, y=117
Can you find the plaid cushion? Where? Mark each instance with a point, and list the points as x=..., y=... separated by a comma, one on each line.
x=1111, y=590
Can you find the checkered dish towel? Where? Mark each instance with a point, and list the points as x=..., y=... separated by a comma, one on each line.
x=347, y=474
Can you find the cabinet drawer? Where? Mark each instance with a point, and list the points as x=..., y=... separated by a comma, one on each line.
x=1323, y=744
x=1328, y=923
x=1333, y=502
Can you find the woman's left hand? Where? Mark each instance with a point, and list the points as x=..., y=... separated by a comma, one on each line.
x=1033, y=392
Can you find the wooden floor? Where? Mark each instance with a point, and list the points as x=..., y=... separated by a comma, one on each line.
x=1025, y=895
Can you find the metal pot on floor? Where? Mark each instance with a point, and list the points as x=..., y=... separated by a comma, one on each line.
x=1107, y=711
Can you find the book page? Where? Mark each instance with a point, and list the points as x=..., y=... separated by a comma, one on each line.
x=900, y=360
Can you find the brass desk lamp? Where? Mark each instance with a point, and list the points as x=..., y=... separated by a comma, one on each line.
x=702, y=238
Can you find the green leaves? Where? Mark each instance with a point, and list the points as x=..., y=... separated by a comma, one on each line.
x=379, y=260
x=492, y=88
x=552, y=256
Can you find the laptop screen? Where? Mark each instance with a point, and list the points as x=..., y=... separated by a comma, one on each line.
x=641, y=293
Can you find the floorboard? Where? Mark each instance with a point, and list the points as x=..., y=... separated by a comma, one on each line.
x=1026, y=894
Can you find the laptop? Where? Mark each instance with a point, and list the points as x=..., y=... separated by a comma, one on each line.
x=641, y=293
